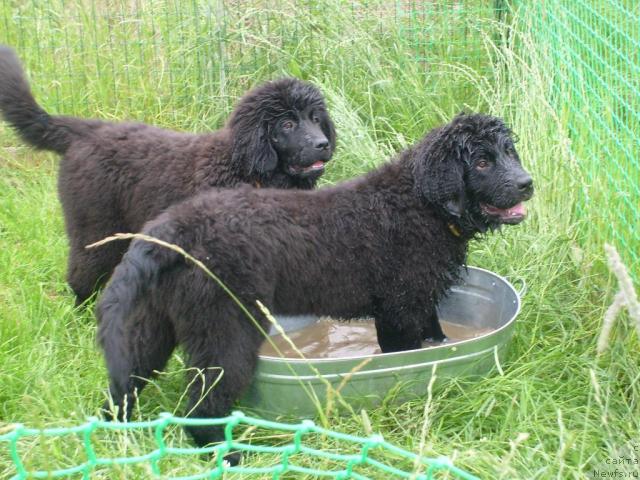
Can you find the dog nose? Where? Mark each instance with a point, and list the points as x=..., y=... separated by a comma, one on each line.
x=524, y=183
x=321, y=144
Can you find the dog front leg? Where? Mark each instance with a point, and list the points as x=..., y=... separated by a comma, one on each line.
x=394, y=336
x=431, y=328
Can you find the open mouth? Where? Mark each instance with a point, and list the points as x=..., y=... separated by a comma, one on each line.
x=512, y=215
x=314, y=167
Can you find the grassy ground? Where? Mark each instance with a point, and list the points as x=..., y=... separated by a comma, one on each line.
x=557, y=411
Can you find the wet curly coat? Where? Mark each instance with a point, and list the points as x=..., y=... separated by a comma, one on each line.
x=385, y=245
x=116, y=176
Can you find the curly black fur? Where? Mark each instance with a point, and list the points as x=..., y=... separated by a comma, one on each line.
x=386, y=245
x=115, y=177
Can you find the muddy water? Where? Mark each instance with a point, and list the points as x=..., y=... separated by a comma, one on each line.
x=328, y=338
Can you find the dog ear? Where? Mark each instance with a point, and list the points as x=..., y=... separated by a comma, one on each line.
x=438, y=170
x=252, y=148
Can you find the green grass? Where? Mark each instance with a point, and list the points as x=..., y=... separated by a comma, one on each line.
x=557, y=412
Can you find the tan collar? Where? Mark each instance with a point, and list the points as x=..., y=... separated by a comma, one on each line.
x=454, y=230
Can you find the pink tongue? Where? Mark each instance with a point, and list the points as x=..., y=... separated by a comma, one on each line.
x=517, y=210
x=318, y=164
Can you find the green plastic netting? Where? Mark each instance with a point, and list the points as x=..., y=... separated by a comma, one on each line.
x=592, y=51
x=191, y=53
x=288, y=454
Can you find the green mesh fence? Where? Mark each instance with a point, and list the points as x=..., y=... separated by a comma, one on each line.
x=131, y=57
x=288, y=455
x=593, y=53
x=448, y=30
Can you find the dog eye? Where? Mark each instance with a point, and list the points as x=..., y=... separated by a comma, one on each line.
x=482, y=164
x=287, y=125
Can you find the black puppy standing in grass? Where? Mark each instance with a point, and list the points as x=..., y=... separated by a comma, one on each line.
x=386, y=245
x=116, y=176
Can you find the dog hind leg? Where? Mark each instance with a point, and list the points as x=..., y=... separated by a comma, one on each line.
x=89, y=269
x=225, y=359
x=133, y=352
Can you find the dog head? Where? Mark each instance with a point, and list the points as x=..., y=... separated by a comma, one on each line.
x=470, y=170
x=283, y=126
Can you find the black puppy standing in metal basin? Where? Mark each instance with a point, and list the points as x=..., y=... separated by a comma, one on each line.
x=386, y=245
x=114, y=177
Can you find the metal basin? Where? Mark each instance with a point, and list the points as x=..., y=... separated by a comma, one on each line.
x=297, y=387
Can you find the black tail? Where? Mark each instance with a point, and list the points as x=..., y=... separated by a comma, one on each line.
x=132, y=280
x=20, y=109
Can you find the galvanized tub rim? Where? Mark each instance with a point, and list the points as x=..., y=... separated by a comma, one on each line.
x=518, y=302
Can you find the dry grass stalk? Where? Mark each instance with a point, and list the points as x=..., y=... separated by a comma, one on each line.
x=625, y=298
x=608, y=321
